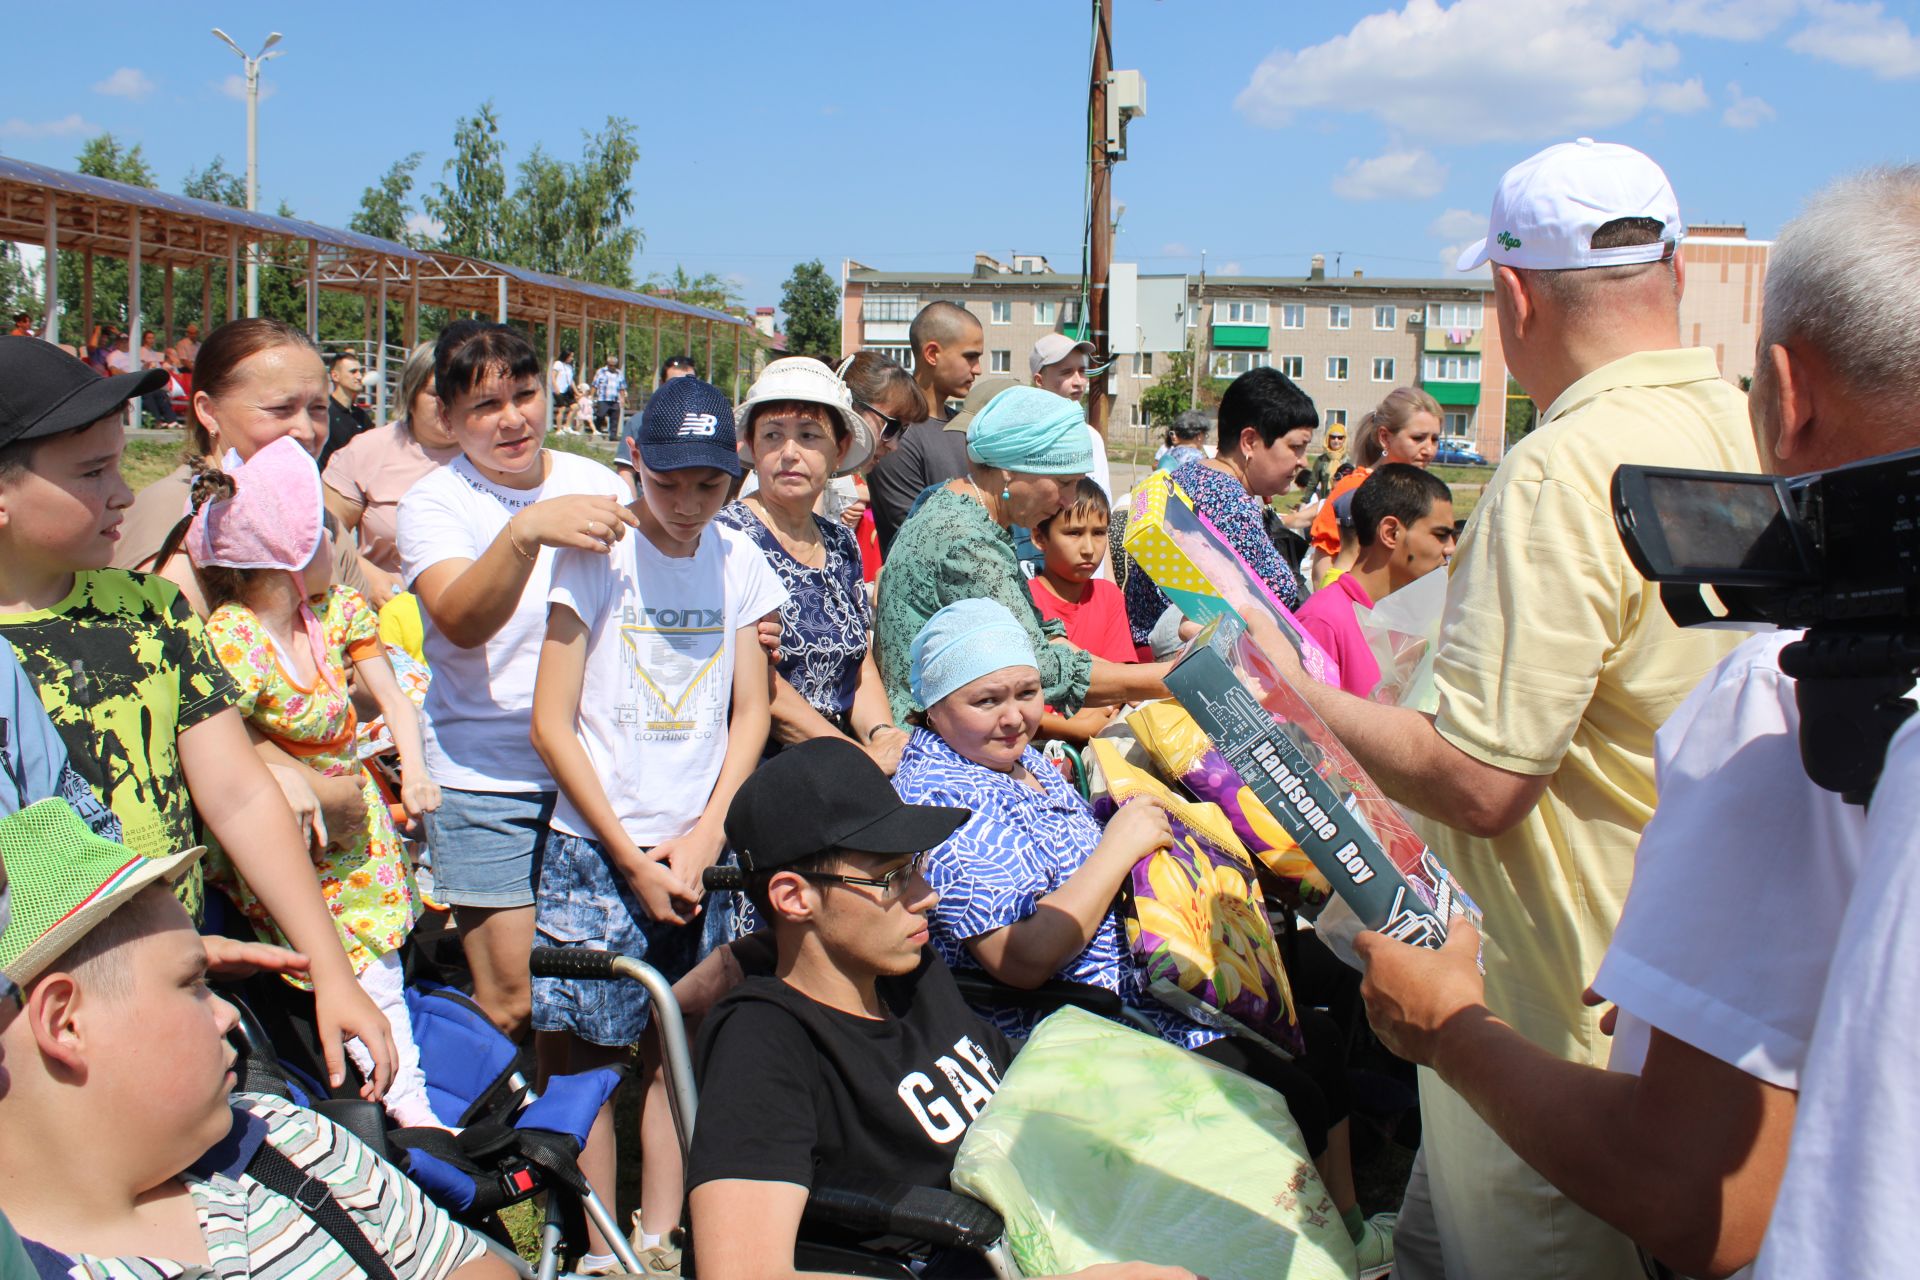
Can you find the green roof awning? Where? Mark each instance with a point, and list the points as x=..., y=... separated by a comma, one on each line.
x=1454, y=393
x=1240, y=337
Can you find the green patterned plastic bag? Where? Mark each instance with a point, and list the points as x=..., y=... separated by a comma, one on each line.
x=1108, y=1145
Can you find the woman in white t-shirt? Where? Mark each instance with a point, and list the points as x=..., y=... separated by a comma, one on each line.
x=475, y=547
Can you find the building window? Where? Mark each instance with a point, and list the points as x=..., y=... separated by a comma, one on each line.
x=1070, y=311
x=1336, y=368
x=1334, y=418
x=1455, y=315
x=1002, y=312
x=1293, y=315
x=1294, y=366
x=1450, y=369
x=1143, y=364
x=1002, y=361
x=1340, y=316
x=1239, y=313
x=902, y=356
x=1385, y=317
x=1231, y=364
x=1045, y=314
x=1383, y=368
x=889, y=307
x=1454, y=424
x=1137, y=414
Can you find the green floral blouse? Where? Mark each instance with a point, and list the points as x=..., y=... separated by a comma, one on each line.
x=952, y=550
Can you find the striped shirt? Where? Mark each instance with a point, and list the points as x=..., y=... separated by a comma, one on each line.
x=251, y=1232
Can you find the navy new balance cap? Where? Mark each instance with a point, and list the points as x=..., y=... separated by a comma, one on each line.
x=688, y=423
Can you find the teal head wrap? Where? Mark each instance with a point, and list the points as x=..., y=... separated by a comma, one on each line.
x=964, y=641
x=1030, y=430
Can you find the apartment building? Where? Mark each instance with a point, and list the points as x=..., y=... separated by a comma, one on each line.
x=1346, y=340
x=1726, y=274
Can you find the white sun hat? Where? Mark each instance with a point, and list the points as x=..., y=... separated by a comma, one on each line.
x=806, y=379
x=1549, y=205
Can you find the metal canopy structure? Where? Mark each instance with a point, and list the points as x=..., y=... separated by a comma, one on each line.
x=74, y=212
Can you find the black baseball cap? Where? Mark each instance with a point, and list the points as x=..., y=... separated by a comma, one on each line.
x=45, y=392
x=688, y=423
x=828, y=794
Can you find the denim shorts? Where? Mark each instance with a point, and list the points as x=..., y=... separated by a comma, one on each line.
x=585, y=903
x=485, y=845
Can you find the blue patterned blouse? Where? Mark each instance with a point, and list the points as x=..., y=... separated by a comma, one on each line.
x=1019, y=846
x=1239, y=516
x=825, y=620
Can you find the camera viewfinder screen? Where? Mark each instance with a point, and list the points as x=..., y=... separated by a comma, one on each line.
x=1724, y=524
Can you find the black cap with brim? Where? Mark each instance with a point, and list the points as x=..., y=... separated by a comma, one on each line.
x=823, y=795
x=46, y=392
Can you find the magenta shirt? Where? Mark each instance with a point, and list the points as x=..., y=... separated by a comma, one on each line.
x=1328, y=617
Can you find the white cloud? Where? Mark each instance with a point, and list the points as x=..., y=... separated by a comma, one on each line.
x=1680, y=99
x=1450, y=258
x=1744, y=112
x=1411, y=174
x=426, y=226
x=127, y=82
x=1228, y=269
x=235, y=87
x=1175, y=249
x=1722, y=19
x=65, y=127
x=1539, y=68
x=1459, y=224
x=1859, y=35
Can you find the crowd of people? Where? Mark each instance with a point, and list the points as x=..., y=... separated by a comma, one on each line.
x=830, y=636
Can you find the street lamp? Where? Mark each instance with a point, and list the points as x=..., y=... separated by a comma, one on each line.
x=252, y=66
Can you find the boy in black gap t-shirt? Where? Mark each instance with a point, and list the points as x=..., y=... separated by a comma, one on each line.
x=858, y=1055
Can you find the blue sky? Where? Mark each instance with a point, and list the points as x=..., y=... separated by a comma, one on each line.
x=911, y=135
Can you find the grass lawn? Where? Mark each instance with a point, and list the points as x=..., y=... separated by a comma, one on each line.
x=147, y=460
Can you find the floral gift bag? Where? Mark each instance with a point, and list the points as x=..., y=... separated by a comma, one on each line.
x=1183, y=754
x=1195, y=919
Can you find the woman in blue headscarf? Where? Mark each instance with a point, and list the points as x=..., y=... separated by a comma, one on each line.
x=1028, y=450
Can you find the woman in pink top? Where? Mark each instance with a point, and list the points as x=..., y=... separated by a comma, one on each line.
x=366, y=479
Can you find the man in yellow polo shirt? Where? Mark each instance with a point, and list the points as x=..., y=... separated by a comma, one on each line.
x=1557, y=663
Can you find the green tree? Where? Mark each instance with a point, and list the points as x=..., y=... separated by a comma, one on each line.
x=1172, y=392
x=808, y=300
x=1522, y=417
x=20, y=290
x=571, y=218
x=705, y=290
x=385, y=206
x=217, y=184
x=471, y=208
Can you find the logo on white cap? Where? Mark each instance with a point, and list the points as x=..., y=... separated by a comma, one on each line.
x=1550, y=204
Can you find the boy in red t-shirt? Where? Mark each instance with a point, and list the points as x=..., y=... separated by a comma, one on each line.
x=1074, y=546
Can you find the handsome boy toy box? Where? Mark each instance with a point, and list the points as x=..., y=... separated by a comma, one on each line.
x=1200, y=572
x=1377, y=864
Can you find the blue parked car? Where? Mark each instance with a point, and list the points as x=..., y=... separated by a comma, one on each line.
x=1458, y=455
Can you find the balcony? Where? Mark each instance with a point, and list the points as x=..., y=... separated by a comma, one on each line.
x=1462, y=341
x=1453, y=394
x=1240, y=337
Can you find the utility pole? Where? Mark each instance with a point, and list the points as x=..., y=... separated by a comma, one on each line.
x=1101, y=232
x=1199, y=332
x=252, y=66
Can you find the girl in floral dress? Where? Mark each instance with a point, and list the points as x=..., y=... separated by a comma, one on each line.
x=285, y=633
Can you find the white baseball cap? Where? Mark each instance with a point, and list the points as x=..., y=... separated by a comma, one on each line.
x=1549, y=205
x=1052, y=349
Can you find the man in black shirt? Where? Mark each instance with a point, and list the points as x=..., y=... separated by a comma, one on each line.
x=345, y=419
x=857, y=1054
x=947, y=345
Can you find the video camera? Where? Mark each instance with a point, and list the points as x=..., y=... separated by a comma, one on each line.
x=1834, y=552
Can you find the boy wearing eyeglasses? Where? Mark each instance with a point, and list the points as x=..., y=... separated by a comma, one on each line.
x=854, y=1054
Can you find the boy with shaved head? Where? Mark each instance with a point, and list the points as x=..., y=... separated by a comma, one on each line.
x=947, y=345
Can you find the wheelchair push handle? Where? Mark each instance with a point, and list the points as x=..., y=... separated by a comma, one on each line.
x=719, y=879
x=567, y=962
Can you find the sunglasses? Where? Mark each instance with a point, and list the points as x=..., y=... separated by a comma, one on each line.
x=890, y=427
x=892, y=885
